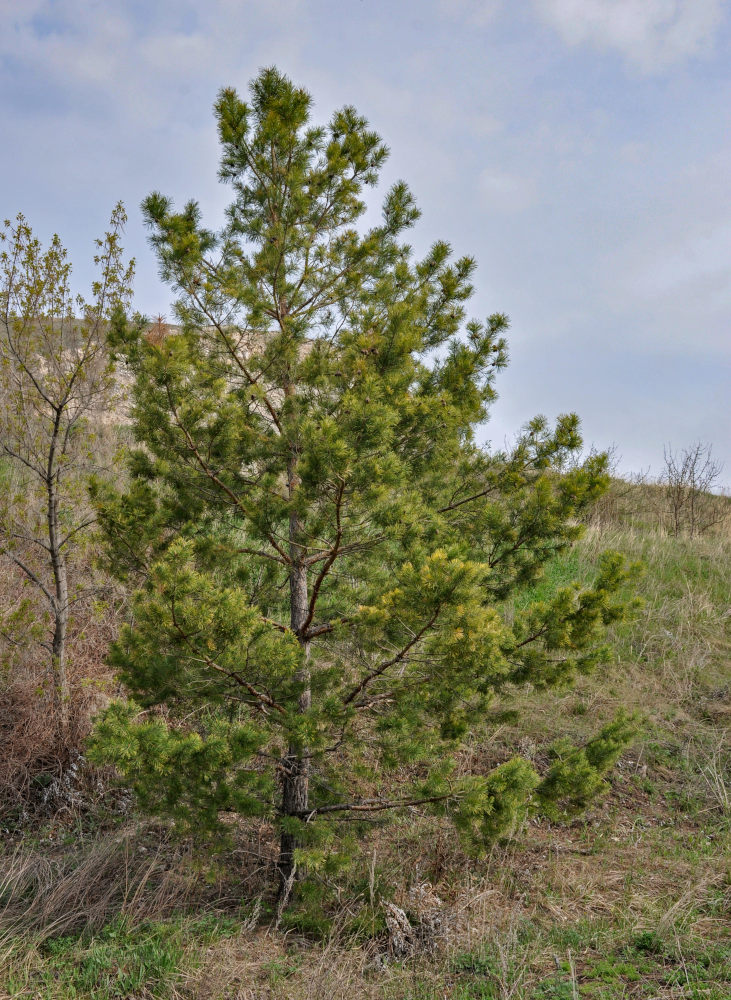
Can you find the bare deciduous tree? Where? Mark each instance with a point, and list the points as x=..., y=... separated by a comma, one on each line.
x=56, y=382
x=689, y=478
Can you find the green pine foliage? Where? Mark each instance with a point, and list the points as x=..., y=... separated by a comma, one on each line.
x=575, y=777
x=331, y=570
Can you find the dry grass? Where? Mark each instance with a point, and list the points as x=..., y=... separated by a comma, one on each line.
x=68, y=891
x=645, y=506
x=42, y=770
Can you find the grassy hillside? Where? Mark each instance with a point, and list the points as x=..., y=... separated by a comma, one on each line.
x=631, y=900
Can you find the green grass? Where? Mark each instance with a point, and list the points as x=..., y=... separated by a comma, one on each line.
x=121, y=961
x=642, y=969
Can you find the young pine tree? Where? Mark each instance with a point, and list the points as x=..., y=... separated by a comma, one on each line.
x=324, y=553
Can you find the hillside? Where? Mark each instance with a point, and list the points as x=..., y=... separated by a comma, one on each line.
x=632, y=899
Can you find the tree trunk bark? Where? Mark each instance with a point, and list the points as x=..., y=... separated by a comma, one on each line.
x=60, y=612
x=296, y=763
x=58, y=660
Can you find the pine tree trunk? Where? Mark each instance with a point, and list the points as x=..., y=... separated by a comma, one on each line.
x=296, y=764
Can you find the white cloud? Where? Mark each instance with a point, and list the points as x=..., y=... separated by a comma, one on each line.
x=672, y=266
x=109, y=51
x=505, y=192
x=479, y=13
x=651, y=34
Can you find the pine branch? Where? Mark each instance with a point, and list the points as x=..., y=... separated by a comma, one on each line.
x=401, y=655
x=373, y=805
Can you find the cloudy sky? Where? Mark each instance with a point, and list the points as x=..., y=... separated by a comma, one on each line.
x=579, y=149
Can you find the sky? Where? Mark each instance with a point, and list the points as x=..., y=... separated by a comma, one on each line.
x=580, y=150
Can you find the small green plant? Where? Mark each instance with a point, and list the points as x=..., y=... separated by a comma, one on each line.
x=478, y=963
x=280, y=969
x=648, y=943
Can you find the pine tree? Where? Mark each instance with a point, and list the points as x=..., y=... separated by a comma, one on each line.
x=326, y=557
